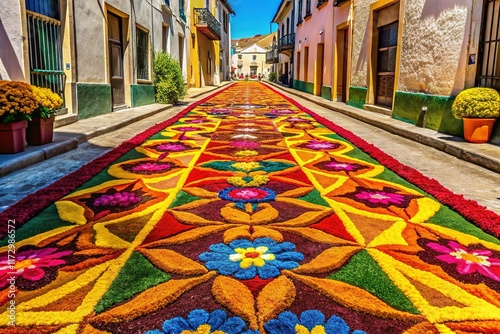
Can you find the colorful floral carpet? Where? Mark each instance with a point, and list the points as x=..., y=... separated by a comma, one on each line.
x=247, y=213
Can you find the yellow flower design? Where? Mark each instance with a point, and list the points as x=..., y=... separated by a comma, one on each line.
x=246, y=166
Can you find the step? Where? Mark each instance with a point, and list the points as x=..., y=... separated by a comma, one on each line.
x=378, y=109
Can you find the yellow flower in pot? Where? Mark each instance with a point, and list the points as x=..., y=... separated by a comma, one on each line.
x=41, y=128
x=479, y=108
x=17, y=103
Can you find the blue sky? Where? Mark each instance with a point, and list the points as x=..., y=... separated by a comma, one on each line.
x=252, y=17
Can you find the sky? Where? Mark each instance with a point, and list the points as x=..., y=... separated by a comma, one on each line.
x=252, y=17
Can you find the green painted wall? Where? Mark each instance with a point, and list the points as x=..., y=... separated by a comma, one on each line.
x=142, y=95
x=408, y=107
x=326, y=92
x=303, y=86
x=357, y=96
x=93, y=99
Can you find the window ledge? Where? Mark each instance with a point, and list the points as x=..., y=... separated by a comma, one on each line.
x=307, y=17
x=144, y=82
x=321, y=5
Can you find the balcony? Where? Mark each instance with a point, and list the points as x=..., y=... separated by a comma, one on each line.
x=240, y=63
x=308, y=9
x=286, y=44
x=207, y=24
x=254, y=64
x=338, y=3
x=272, y=56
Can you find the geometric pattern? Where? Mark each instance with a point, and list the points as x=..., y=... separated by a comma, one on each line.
x=248, y=215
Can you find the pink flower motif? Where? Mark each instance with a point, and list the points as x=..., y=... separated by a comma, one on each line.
x=244, y=144
x=171, y=147
x=282, y=111
x=340, y=166
x=151, y=167
x=468, y=262
x=321, y=145
x=28, y=264
x=380, y=197
x=187, y=128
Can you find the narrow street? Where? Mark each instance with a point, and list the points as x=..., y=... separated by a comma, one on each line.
x=245, y=210
x=474, y=182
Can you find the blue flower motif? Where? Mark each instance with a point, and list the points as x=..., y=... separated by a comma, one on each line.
x=247, y=195
x=204, y=322
x=245, y=259
x=289, y=323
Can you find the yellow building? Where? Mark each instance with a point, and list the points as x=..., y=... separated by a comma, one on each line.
x=208, y=42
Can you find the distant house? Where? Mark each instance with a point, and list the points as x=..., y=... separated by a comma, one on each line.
x=249, y=56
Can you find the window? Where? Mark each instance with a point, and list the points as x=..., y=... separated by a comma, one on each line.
x=48, y=8
x=225, y=19
x=254, y=57
x=308, y=8
x=489, y=60
x=182, y=13
x=299, y=13
x=239, y=56
x=306, y=60
x=142, y=55
x=320, y=2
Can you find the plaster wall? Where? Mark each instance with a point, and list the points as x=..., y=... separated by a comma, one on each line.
x=11, y=42
x=341, y=17
x=434, y=51
x=317, y=29
x=360, y=42
x=91, y=44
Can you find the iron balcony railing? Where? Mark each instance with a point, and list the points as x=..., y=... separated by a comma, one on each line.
x=338, y=3
x=272, y=56
x=240, y=63
x=207, y=23
x=286, y=42
x=254, y=64
x=320, y=2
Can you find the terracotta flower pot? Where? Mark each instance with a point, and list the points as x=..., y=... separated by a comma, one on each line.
x=12, y=137
x=478, y=130
x=40, y=131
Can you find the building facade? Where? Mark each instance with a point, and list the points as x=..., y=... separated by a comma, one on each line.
x=406, y=59
x=98, y=55
x=210, y=42
x=249, y=58
x=285, y=18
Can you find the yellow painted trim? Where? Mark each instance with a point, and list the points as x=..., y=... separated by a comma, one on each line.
x=374, y=8
x=380, y=4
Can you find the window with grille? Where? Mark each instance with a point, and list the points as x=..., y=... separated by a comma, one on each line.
x=142, y=55
x=45, y=45
x=489, y=54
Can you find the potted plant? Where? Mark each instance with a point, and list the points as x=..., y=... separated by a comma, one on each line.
x=17, y=103
x=41, y=127
x=479, y=108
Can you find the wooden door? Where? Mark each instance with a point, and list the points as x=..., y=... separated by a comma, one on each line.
x=318, y=83
x=386, y=63
x=115, y=46
x=342, y=43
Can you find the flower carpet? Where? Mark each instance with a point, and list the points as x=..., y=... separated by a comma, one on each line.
x=248, y=213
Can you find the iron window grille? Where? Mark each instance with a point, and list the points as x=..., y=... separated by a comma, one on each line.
x=45, y=45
